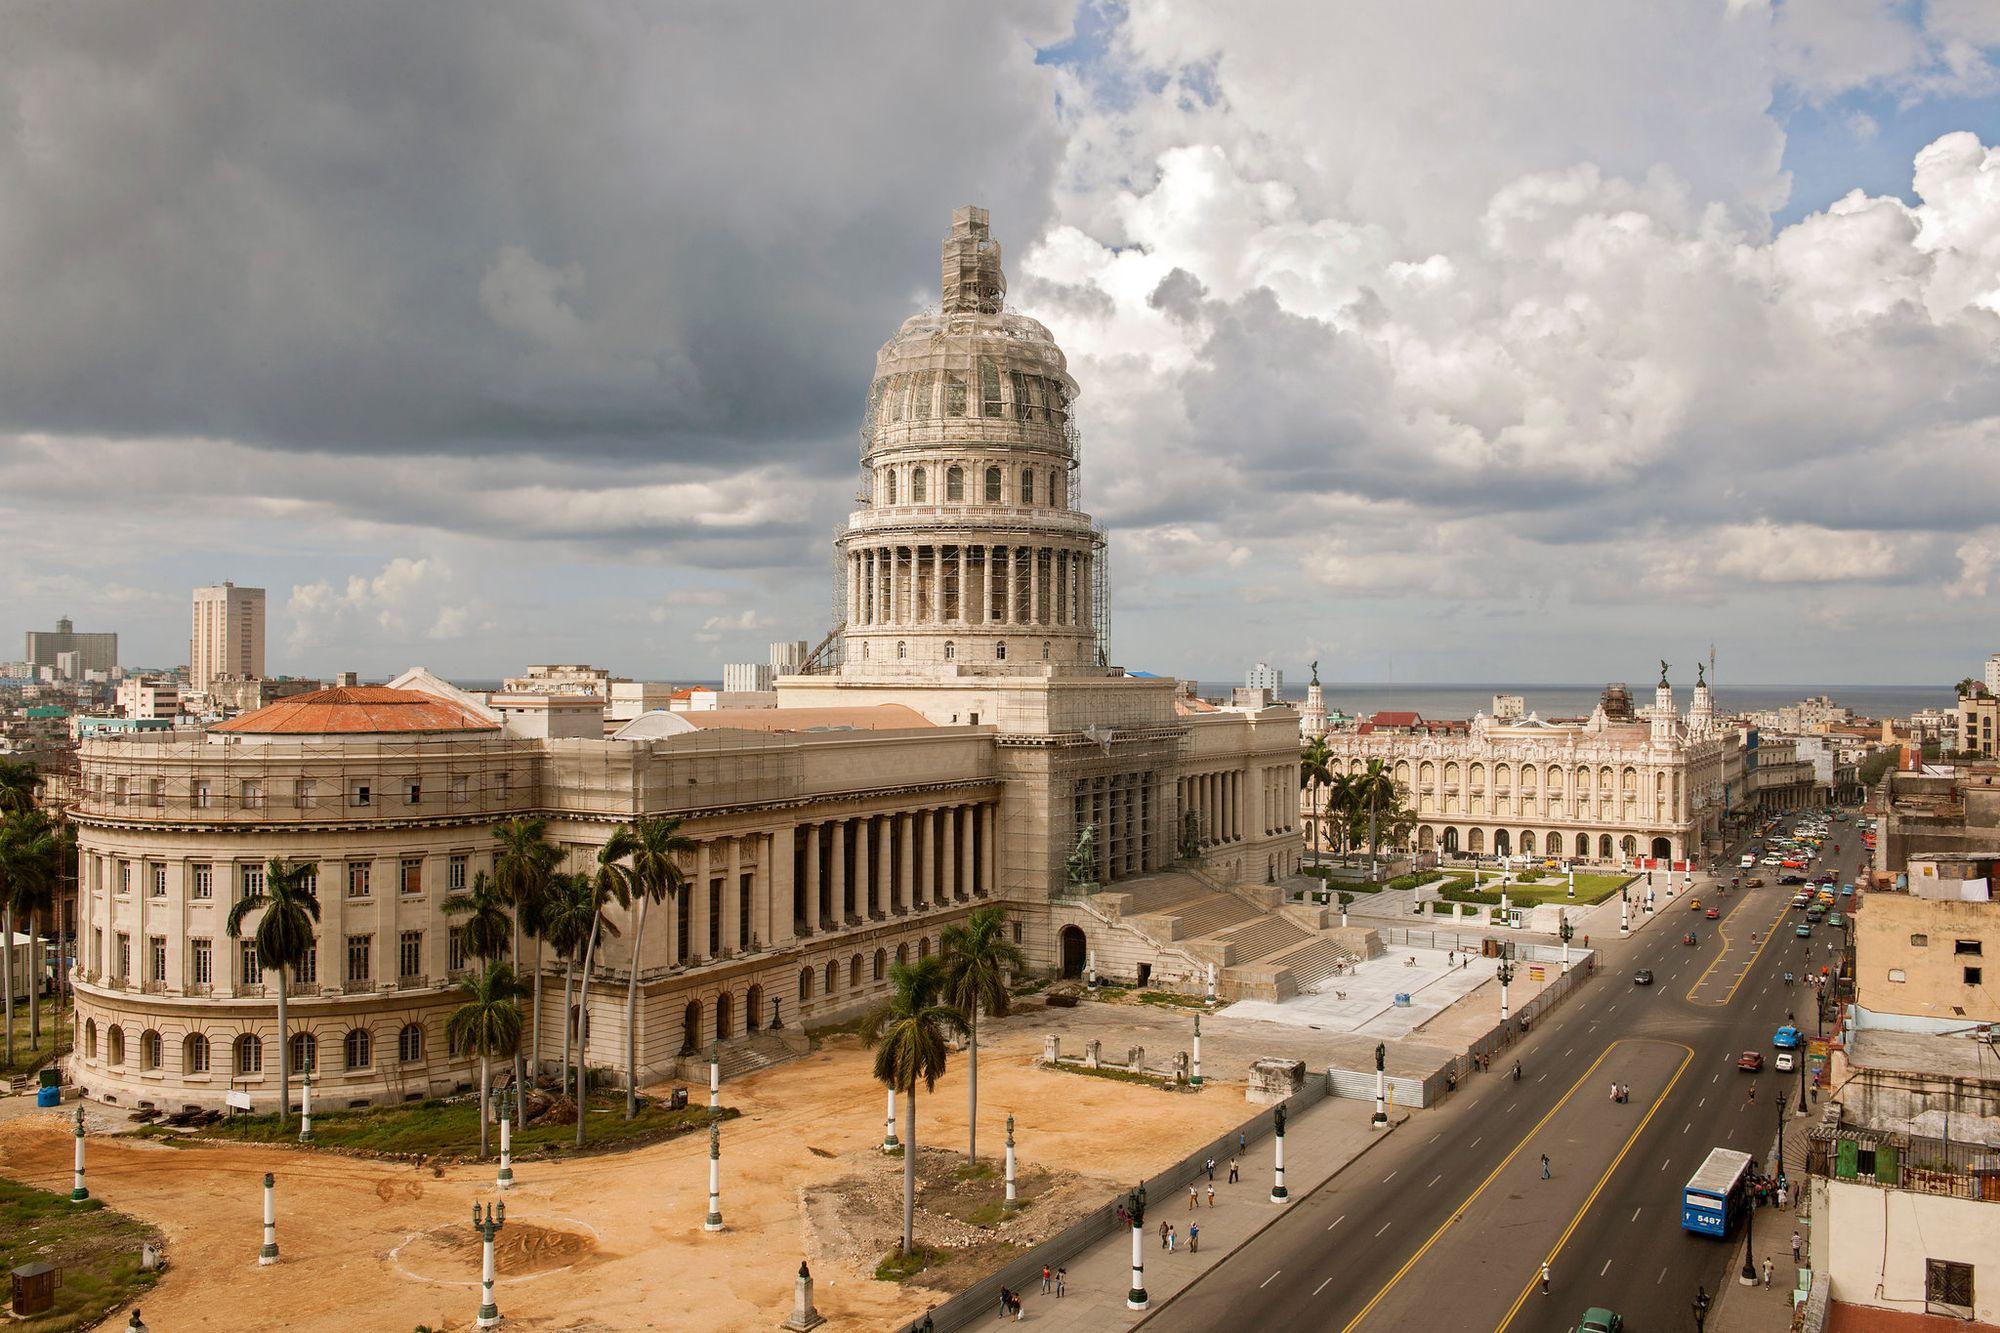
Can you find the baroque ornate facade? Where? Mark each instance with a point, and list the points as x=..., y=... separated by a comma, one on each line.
x=956, y=736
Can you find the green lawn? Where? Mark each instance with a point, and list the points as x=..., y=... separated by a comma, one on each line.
x=1589, y=889
x=451, y=1128
x=95, y=1251
x=29, y=1055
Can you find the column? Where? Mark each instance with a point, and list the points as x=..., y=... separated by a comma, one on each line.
x=937, y=584
x=777, y=887
x=991, y=879
x=698, y=927
x=733, y=938
x=885, y=865
x=889, y=580
x=815, y=900
x=864, y=878
x=948, y=860
x=1006, y=556
x=837, y=890
x=963, y=816
x=926, y=878
x=1034, y=585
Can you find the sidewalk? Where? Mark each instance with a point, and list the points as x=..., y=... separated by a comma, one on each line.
x=1741, y=1309
x=1319, y=1142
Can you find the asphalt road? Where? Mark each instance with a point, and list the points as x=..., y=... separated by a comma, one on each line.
x=1449, y=1227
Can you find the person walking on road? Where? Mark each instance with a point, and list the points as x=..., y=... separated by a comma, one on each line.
x=1211, y=1195
x=1062, y=1280
x=1194, y=1246
x=1545, y=1167
x=1192, y=1198
x=1046, y=1275
x=1545, y=1279
x=1164, y=1229
x=1173, y=1240
x=1767, y=1270
x=1211, y=1170
x=1796, y=1246
x=1233, y=1176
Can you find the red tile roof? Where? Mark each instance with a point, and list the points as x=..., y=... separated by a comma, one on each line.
x=357, y=710
x=1396, y=719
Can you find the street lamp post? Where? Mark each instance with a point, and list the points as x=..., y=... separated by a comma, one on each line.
x=714, y=1076
x=1624, y=914
x=1802, y=1082
x=505, y=1179
x=1012, y=1202
x=1135, y=1203
x=1278, y=1193
x=77, y=1192
x=1381, y=1090
x=713, y=1222
x=1747, y=1275
x=306, y=1108
x=1195, y=1077
x=269, y=1254
x=1505, y=975
x=889, y=1140
x=488, y=1228
x=1568, y=933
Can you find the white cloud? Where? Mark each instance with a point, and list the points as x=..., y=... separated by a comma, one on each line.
x=405, y=599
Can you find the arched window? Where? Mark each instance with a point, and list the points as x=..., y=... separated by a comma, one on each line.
x=854, y=971
x=410, y=1043
x=881, y=962
x=359, y=1049
x=805, y=984
x=923, y=948
x=902, y=954
x=90, y=1039
x=114, y=1045
x=954, y=483
x=249, y=1054
x=1027, y=485
x=194, y=1054
x=920, y=486
x=864, y=650
x=753, y=1009
x=832, y=977
x=950, y=651
x=993, y=485
x=725, y=1022
x=305, y=1053
x=889, y=486
x=1045, y=650
x=902, y=650
x=1000, y=651
x=151, y=1055
x=1056, y=498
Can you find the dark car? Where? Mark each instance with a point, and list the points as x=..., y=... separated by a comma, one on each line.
x=1643, y=977
x=1791, y=877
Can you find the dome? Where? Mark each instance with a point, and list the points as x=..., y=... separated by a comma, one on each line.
x=358, y=710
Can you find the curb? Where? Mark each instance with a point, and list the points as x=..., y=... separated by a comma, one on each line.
x=1277, y=1215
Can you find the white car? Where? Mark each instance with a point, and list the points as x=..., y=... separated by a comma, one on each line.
x=1784, y=1063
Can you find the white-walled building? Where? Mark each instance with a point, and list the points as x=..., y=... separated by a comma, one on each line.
x=227, y=638
x=148, y=697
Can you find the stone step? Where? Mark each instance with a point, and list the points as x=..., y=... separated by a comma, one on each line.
x=1263, y=937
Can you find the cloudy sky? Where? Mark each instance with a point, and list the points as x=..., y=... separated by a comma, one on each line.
x=1439, y=340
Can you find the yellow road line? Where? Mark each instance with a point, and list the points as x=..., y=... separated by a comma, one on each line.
x=1473, y=1197
x=1598, y=1188
x=1724, y=936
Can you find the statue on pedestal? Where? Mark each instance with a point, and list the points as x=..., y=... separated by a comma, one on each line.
x=1080, y=868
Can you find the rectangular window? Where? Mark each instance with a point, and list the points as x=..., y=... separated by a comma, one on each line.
x=413, y=792
x=989, y=390
x=120, y=789
x=156, y=881
x=157, y=797
x=410, y=954
x=203, y=796
x=360, y=794
x=456, y=961
x=204, y=881
x=124, y=971
x=458, y=785
x=310, y=879
x=500, y=785
x=1968, y=947
x=124, y=877
x=1948, y=1288
x=253, y=795
x=413, y=875
x=308, y=969
x=359, y=947
x=455, y=875
x=201, y=962
x=249, y=971
x=357, y=879
x=253, y=882
x=156, y=958
x=96, y=950
x=302, y=794
x=1919, y=941
x=1975, y=976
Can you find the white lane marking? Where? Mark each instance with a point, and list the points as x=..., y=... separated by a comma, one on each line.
x=1321, y=1287
x=1661, y=1278
x=1540, y=1077
x=1336, y=1221
x=1385, y=1227
x=1267, y=1281
x=1663, y=1163
x=1606, y=1269
x=1690, y=1125
x=1434, y=1180
x=1568, y=1053
x=1391, y=1176
x=1510, y=1106
x=1435, y=1137
x=1474, y=1144
x=1635, y=1214
x=1703, y=1102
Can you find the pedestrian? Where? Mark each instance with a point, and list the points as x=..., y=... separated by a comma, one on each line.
x=1796, y=1244
x=1782, y=1193
x=1194, y=1239
x=1614, y=1089
x=1545, y=1166
x=1124, y=1218
x=1767, y=1270
x=1046, y=1275
x=1173, y=1240
x=1006, y=1301
x=1242, y=1143
x=1211, y=1170
x=1191, y=1197
x=1234, y=1175
x=1625, y=1092
x=1019, y=1312
x=1062, y=1278
x=1545, y=1279
x=1164, y=1229
x=1211, y=1195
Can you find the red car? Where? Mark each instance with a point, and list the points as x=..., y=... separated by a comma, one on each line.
x=1714, y=914
x=1750, y=1061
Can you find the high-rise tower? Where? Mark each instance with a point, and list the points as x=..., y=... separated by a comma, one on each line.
x=969, y=555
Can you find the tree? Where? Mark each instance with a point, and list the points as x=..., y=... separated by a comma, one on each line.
x=979, y=962
x=284, y=937
x=28, y=865
x=521, y=871
x=908, y=1032
x=1342, y=805
x=486, y=1024
x=1969, y=686
x=17, y=784
x=486, y=923
x=566, y=912
x=1375, y=788
x=657, y=846
x=1315, y=771
x=610, y=883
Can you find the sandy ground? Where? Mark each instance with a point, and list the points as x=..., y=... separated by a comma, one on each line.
x=615, y=1242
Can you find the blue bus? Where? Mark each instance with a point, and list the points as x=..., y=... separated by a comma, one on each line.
x=1717, y=1194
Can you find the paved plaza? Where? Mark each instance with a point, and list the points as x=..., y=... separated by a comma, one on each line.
x=1386, y=997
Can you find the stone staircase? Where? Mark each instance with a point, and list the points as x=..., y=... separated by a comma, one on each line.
x=1314, y=962
x=1262, y=938
x=746, y=1055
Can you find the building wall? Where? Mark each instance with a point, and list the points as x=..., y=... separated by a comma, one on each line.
x=1873, y=1243
x=1933, y=972
x=227, y=637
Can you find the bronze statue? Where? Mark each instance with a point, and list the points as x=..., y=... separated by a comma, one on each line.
x=1278, y=1120
x=1380, y=1055
x=1315, y=671
x=1080, y=868
x=1700, y=669
x=1663, y=673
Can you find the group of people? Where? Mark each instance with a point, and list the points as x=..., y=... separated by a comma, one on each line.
x=1620, y=1092
x=1055, y=1281
x=1170, y=1236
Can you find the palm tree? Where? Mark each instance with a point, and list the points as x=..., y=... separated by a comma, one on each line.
x=24, y=851
x=284, y=937
x=565, y=921
x=487, y=1024
x=1969, y=686
x=1375, y=788
x=35, y=897
x=1341, y=804
x=486, y=923
x=657, y=846
x=1315, y=771
x=979, y=961
x=521, y=871
x=17, y=784
x=610, y=884
x=907, y=1032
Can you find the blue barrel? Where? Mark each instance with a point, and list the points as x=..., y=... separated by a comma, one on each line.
x=1403, y=998
x=48, y=1096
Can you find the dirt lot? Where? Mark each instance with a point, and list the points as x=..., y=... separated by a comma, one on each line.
x=615, y=1242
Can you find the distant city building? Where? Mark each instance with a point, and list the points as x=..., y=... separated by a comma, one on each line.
x=149, y=697
x=629, y=698
x=243, y=694
x=228, y=634
x=789, y=658
x=1993, y=674
x=1978, y=719
x=1509, y=707
x=94, y=651
x=747, y=677
x=1264, y=676
x=563, y=678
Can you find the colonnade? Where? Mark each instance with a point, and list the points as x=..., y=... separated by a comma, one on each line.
x=869, y=867
x=971, y=583
x=1122, y=807
x=1217, y=798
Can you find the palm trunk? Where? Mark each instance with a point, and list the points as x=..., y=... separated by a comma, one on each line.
x=284, y=1056
x=569, y=978
x=7, y=975
x=632, y=1016
x=910, y=1168
x=535, y=1019
x=520, y=1073
x=1374, y=849
x=34, y=981
x=485, y=1098
x=972, y=1089
x=583, y=1027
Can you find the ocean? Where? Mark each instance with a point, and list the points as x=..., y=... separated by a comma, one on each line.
x=1454, y=702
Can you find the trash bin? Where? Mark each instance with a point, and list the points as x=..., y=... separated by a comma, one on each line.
x=48, y=1096
x=678, y=1101
x=51, y=1077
